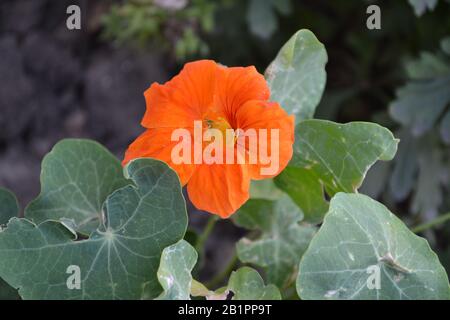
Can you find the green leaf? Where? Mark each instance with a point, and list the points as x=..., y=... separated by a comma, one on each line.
x=9, y=207
x=419, y=104
x=7, y=292
x=174, y=273
x=419, y=172
x=199, y=290
x=424, y=100
x=445, y=127
x=77, y=176
x=306, y=190
x=445, y=45
x=420, y=6
x=265, y=189
x=284, y=7
x=247, y=284
x=427, y=66
x=282, y=241
x=359, y=240
x=428, y=195
x=297, y=75
x=261, y=18
x=118, y=261
x=331, y=157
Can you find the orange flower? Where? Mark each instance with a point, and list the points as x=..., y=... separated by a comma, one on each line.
x=223, y=99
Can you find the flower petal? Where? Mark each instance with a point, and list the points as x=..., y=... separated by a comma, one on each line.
x=267, y=115
x=185, y=98
x=219, y=188
x=236, y=86
x=157, y=144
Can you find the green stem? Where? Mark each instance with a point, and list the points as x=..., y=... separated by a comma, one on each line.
x=199, y=246
x=427, y=225
x=218, y=278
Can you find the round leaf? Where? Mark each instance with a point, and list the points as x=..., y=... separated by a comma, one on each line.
x=361, y=240
x=297, y=76
x=77, y=176
x=118, y=261
x=247, y=284
x=282, y=241
x=174, y=273
x=331, y=157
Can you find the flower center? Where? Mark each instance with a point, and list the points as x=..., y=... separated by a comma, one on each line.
x=227, y=132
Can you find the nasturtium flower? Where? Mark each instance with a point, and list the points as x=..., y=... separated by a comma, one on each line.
x=221, y=100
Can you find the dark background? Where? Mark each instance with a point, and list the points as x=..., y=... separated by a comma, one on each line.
x=57, y=83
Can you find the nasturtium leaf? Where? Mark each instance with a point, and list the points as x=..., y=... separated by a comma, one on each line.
x=361, y=242
x=247, y=284
x=297, y=76
x=282, y=241
x=421, y=6
x=306, y=190
x=9, y=207
x=265, y=189
x=445, y=45
x=174, y=273
x=77, y=176
x=7, y=292
x=331, y=157
x=282, y=6
x=118, y=261
x=261, y=18
x=199, y=290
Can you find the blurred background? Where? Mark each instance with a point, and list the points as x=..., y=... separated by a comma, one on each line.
x=57, y=83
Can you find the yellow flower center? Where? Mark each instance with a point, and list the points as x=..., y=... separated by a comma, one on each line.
x=223, y=126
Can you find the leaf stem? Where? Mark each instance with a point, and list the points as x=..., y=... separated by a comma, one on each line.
x=427, y=225
x=199, y=245
x=218, y=278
